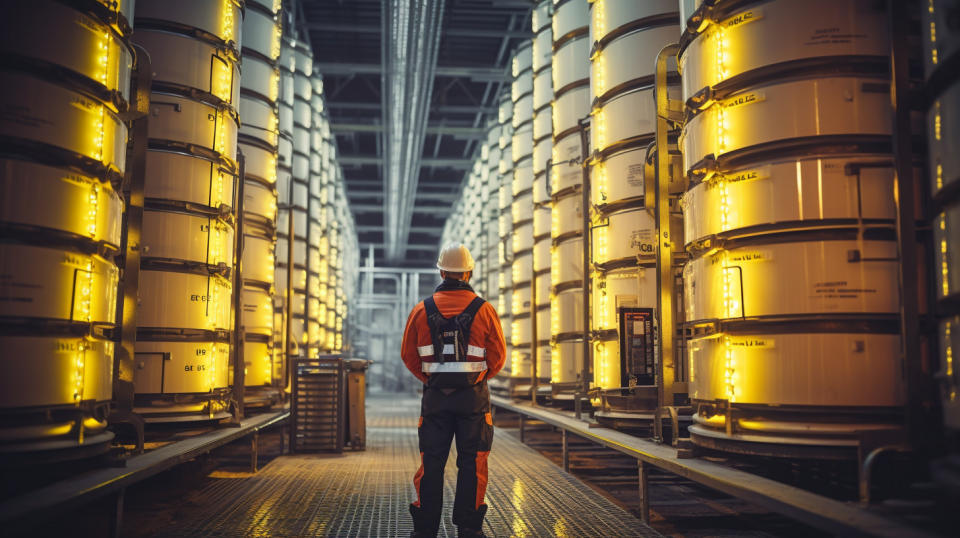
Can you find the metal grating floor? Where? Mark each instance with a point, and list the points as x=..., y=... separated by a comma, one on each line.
x=367, y=493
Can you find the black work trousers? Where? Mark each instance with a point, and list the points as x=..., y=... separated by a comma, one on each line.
x=464, y=414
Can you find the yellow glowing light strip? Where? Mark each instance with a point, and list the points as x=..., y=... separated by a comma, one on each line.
x=80, y=365
x=933, y=34
x=602, y=365
x=948, y=359
x=226, y=23
x=104, y=58
x=93, y=209
x=944, y=258
x=936, y=121
x=729, y=373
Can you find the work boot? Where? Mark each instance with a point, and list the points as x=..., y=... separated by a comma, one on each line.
x=467, y=532
x=421, y=528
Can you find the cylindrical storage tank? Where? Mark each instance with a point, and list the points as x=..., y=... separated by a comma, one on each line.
x=941, y=50
x=623, y=238
x=570, y=81
x=259, y=141
x=505, y=221
x=188, y=244
x=541, y=154
x=790, y=223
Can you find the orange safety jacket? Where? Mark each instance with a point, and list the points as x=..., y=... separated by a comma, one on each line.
x=486, y=337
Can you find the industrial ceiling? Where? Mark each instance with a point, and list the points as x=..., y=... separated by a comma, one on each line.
x=405, y=152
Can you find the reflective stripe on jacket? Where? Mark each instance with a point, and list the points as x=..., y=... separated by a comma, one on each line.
x=486, y=337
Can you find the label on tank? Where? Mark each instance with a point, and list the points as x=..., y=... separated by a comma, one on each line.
x=833, y=36
x=839, y=290
x=643, y=240
x=751, y=343
x=744, y=99
x=747, y=175
x=635, y=174
x=743, y=18
x=751, y=256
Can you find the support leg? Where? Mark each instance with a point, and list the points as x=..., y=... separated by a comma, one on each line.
x=523, y=421
x=643, y=475
x=565, y=450
x=254, y=450
x=116, y=523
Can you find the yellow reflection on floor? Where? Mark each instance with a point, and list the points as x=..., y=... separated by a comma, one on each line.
x=519, y=526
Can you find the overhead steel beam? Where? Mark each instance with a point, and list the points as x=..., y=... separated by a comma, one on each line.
x=432, y=230
x=442, y=196
x=360, y=160
x=410, y=246
x=435, y=109
x=456, y=132
x=479, y=74
x=378, y=208
x=374, y=29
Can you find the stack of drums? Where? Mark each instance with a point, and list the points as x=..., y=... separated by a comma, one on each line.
x=624, y=235
x=328, y=301
x=791, y=288
x=491, y=214
x=282, y=348
x=316, y=326
x=542, y=148
x=505, y=224
x=258, y=141
x=522, y=211
x=476, y=194
x=185, y=316
x=340, y=210
x=296, y=90
x=570, y=68
x=942, y=54
x=63, y=153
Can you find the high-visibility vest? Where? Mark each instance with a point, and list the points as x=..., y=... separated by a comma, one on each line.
x=450, y=360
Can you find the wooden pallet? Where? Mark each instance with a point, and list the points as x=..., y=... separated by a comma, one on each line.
x=318, y=409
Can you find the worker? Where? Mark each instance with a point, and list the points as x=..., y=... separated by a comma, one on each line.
x=453, y=343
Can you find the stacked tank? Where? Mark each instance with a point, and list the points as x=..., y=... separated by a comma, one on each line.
x=185, y=314
x=505, y=224
x=63, y=158
x=491, y=214
x=570, y=67
x=467, y=224
x=792, y=284
x=521, y=210
x=259, y=141
x=542, y=147
x=942, y=54
x=624, y=230
x=319, y=179
x=293, y=185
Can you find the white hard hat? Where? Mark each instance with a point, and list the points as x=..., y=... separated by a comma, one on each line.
x=455, y=258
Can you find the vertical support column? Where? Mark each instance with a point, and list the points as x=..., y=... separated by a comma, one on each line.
x=132, y=189
x=586, y=376
x=239, y=366
x=643, y=474
x=666, y=327
x=522, y=424
x=288, y=305
x=254, y=450
x=116, y=522
x=918, y=390
x=534, y=341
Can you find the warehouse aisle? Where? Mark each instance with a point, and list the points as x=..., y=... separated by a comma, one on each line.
x=366, y=493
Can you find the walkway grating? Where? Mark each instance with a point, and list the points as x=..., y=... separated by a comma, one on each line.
x=367, y=493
